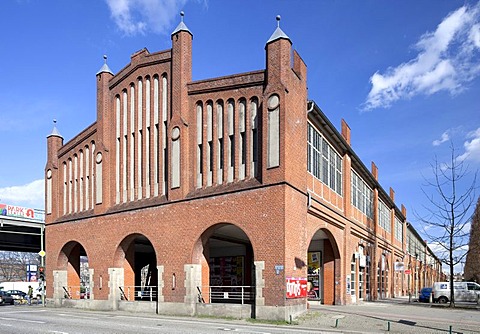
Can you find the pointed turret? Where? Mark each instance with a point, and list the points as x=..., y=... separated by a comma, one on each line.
x=105, y=68
x=278, y=33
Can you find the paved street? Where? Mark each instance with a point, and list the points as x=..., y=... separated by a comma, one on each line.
x=391, y=316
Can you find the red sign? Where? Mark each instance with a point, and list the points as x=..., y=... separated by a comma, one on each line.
x=407, y=271
x=296, y=287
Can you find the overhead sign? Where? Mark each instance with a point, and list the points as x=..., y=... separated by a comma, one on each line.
x=407, y=272
x=21, y=212
x=296, y=287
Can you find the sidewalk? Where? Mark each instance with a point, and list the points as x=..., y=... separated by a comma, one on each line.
x=394, y=315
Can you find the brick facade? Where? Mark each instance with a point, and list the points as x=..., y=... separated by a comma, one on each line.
x=174, y=174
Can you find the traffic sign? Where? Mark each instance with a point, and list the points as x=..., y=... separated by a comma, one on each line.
x=42, y=253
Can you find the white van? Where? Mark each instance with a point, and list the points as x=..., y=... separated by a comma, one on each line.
x=463, y=292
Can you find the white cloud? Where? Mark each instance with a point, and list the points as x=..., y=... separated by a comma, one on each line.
x=447, y=59
x=31, y=194
x=139, y=16
x=443, y=139
x=472, y=147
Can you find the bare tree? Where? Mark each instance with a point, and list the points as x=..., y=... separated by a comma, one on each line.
x=13, y=265
x=472, y=269
x=448, y=217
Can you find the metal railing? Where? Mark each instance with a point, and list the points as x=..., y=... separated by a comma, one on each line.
x=137, y=292
x=226, y=294
x=76, y=292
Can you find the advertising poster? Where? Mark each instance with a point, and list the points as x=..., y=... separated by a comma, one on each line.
x=296, y=287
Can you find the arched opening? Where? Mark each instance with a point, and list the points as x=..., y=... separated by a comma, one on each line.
x=323, y=268
x=136, y=256
x=226, y=257
x=382, y=277
x=77, y=283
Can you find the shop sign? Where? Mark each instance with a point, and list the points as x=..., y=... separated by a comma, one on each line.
x=407, y=272
x=399, y=266
x=296, y=287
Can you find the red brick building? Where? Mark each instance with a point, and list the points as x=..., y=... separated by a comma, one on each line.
x=219, y=196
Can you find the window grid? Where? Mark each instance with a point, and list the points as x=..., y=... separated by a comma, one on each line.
x=323, y=161
x=384, y=217
x=398, y=230
x=362, y=195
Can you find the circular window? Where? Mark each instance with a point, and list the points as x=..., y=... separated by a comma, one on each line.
x=273, y=102
x=175, y=133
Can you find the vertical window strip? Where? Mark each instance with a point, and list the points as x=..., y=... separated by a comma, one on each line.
x=209, y=147
x=254, y=141
x=132, y=143
x=125, y=147
x=231, y=142
x=75, y=183
x=147, y=137
x=117, y=149
x=64, y=188
x=242, y=140
x=220, y=154
x=87, y=176
x=92, y=168
x=140, y=138
x=156, y=146
x=80, y=190
x=199, y=145
x=164, y=128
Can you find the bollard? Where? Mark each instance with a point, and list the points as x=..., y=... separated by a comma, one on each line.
x=450, y=331
x=336, y=323
x=388, y=326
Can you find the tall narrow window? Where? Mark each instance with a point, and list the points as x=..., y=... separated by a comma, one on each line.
x=147, y=138
x=80, y=184
x=273, y=133
x=242, y=142
x=75, y=183
x=65, y=188
x=176, y=154
x=220, y=149
x=140, y=138
x=49, y=191
x=209, y=147
x=254, y=141
x=117, y=149
x=87, y=177
x=199, y=145
x=125, y=146
x=132, y=143
x=165, y=135
x=231, y=141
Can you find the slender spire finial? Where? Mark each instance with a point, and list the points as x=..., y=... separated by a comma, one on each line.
x=54, y=121
x=278, y=20
x=105, y=58
x=182, y=14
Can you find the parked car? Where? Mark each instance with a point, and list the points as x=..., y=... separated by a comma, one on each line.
x=424, y=296
x=463, y=292
x=17, y=294
x=6, y=298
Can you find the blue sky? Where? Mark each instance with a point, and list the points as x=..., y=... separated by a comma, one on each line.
x=403, y=74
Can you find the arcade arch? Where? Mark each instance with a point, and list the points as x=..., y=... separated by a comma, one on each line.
x=73, y=261
x=225, y=254
x=323, y=260
x=136, y=256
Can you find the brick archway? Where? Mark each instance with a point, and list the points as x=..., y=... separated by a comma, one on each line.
x=73, y=260
x=225, y=254
x=136, y=256
x=324, y=268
